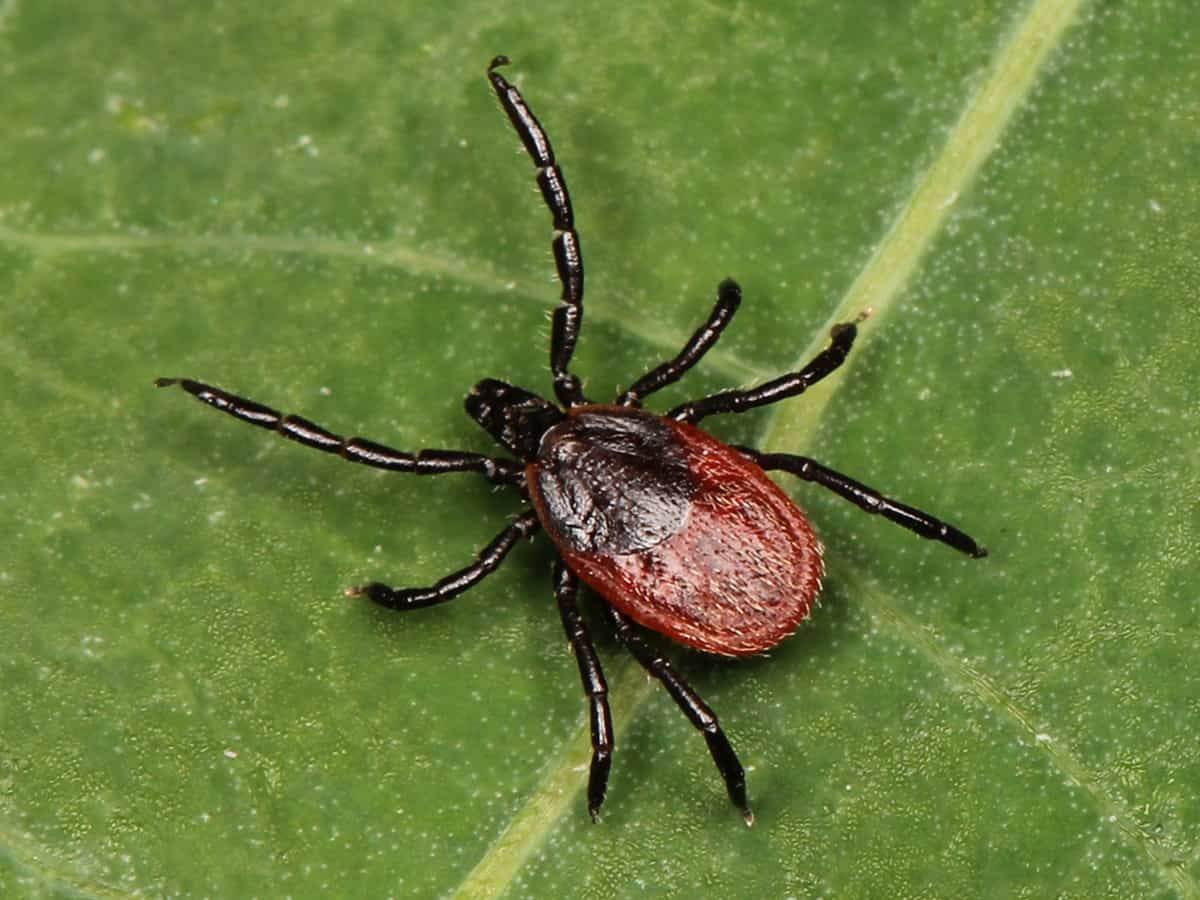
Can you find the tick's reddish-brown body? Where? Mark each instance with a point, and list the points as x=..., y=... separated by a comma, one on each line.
x=714, y=555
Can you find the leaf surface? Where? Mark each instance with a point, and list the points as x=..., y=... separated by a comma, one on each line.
x=320, y=207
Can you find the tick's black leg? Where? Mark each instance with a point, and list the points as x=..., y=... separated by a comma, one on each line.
x=693, y=707
x=568, y=259
x=729, y=297
x=842, y=338
x=355, y=449
x=594, y=686
x=486, y=562
x=868, y=499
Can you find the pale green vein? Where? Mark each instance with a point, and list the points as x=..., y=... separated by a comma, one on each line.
x=51, y=870
x=877, y=287
x=8, y=12
x=383, y=254
x=559, y=790
x=977, y=132
x=971, y=680
x=472, y=272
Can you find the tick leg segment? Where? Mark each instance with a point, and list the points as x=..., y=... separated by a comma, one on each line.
x=355, y=449
x=697, y=711
x=868, y=499
x=842, y=338
x=729, y=297
x=568, y=258
x=486, y=562
x=594, y=685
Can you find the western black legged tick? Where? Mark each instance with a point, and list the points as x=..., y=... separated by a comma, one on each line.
x=675, y=531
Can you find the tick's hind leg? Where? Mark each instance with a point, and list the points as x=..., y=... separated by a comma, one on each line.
x=841, y=340
x=729, y=297
x=697, y=711
x=355, y=449
x=868, y=499
x=486, y=562
x=594, y=685
x=568, y=258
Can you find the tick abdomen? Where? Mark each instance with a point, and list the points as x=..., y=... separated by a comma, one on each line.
x=676, y=530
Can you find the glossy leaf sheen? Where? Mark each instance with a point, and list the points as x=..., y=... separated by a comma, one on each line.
x=320, y=206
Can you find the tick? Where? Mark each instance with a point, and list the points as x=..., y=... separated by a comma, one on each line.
x=674, y=530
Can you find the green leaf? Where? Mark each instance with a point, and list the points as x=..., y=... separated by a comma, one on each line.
x=320, y=206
